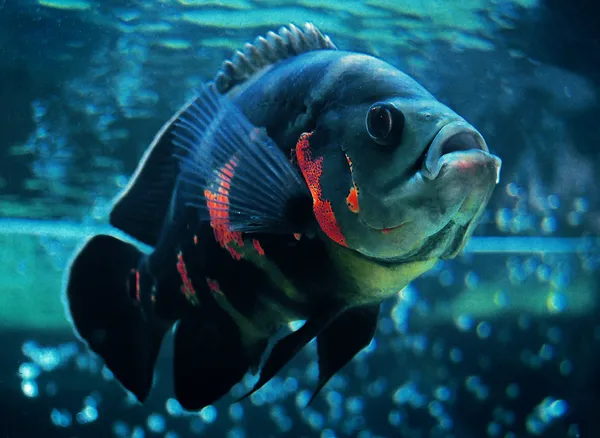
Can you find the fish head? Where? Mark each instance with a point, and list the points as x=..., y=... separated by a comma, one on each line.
x=401, y=176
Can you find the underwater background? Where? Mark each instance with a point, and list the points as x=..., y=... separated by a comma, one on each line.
x=503, y=341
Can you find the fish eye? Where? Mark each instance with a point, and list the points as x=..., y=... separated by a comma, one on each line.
x=384, y=123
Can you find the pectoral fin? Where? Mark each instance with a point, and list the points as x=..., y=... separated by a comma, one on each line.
x=341, y=340
x=236, y=176
x=285, y=349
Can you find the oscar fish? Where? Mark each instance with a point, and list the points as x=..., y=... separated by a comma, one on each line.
x=301, y=183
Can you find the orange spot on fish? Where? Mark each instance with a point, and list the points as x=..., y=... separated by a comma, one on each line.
x=465, y=164
x=387, y=230
x=312, y=171
x=297, y=236
x=352, y=199
x=213, y=286
x=257, y=247
x=195, y=240
x=136, y=292
x=186, y=287
x=217, y=201
x=137, y=285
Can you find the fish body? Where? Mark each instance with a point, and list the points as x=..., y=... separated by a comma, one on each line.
x=303, y=183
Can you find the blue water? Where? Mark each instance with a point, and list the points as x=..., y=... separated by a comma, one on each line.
x=500, y=342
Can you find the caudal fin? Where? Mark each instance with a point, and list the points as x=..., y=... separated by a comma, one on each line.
x=103, y=299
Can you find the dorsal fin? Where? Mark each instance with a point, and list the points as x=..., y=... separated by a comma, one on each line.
x=287, y=42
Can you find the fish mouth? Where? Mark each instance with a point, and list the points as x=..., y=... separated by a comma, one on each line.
x=386, y=230
x=438, y=207
x=454, y=137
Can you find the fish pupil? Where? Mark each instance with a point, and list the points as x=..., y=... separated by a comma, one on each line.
x=384, y=123
x=380, y=122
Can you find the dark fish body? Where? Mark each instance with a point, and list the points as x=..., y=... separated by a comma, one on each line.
x=280, y=193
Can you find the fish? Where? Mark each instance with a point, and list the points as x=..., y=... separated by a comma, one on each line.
x=302, y=183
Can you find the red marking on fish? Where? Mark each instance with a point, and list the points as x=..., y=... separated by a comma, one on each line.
x=217, y=202
x=465, y=164
x=137, y=286
x=213, y=286
x=387, y=230
x=352, y=198
x=297, y=236
x=186, y=287
x=195, y=240
x=257, y=247
x=312, y=170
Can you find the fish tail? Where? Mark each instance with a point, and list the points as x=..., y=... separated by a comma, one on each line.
x=104, y=296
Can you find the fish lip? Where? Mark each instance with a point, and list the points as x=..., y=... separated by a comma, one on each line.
x=387, y=229
x=465, y=138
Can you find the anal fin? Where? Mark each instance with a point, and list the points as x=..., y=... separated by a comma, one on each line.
x=285, y=349
x=210, y=357
x=341, y=340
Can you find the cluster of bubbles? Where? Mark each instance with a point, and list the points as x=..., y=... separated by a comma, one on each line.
x=544, y=220
x=549, y=217
x=45, y=359
x=546, y=412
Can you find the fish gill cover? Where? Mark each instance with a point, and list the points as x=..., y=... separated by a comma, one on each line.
x=486, y=345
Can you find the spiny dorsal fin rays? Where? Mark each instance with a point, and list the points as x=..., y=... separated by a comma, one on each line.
x=287, y=42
